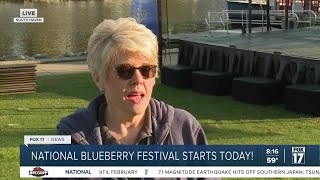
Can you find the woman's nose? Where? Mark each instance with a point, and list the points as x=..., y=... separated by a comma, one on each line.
x=137, y=78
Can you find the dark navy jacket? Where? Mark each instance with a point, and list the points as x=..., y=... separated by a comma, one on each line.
x=171, y=125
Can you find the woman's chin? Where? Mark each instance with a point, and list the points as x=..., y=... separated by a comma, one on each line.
x=137, y=108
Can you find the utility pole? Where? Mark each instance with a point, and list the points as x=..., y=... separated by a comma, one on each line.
x=287, y=14
x=268, y=14
x=250, y=14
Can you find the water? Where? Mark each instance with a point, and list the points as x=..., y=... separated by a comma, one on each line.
x=68, y=24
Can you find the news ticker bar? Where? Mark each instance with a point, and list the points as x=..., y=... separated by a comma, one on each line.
x=169, y=172
x=169, y=155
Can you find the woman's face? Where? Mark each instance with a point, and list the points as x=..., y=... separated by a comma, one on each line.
x=130, y=96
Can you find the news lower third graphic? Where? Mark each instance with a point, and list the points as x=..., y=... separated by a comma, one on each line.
x=54, y=156
x=28, y=16
x=47, y=139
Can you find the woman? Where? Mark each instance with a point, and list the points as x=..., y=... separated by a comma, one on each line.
x=122, y=58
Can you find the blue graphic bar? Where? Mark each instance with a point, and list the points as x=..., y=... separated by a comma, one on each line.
x=169, y=155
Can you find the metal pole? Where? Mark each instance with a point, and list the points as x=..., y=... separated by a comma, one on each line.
x=160, y=44
x=262, y=17
x=309, y=5
x=250, y=14
x=286, y=14
x=268, y=14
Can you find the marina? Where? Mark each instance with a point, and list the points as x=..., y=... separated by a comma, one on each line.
x=293, y=43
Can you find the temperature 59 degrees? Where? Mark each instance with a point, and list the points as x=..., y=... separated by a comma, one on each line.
x=272, y=160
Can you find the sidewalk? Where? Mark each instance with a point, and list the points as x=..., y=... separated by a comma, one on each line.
x=62, y=68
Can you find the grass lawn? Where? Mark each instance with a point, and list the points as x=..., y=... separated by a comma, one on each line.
x=224, y=120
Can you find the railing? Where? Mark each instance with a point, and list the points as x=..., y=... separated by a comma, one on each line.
x=227, y=17
x=216, y=19
x=306, y=16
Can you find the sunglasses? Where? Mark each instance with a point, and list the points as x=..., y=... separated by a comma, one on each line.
x=125, y=71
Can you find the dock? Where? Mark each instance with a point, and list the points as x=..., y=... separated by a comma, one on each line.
x=258, y=68
x=292, y=56
x=300, y=42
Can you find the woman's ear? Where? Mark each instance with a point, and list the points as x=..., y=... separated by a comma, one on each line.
x=98, y=81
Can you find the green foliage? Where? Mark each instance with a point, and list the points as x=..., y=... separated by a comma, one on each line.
x=225, y=121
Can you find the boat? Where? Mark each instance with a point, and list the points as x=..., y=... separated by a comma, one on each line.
x=244, y=4
x=237, y=9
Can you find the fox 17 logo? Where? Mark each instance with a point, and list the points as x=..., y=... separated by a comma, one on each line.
x=28, y=16
x=38, y=171
x=298, y=155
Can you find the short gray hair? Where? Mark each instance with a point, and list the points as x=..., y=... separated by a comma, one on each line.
x=123, y=34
